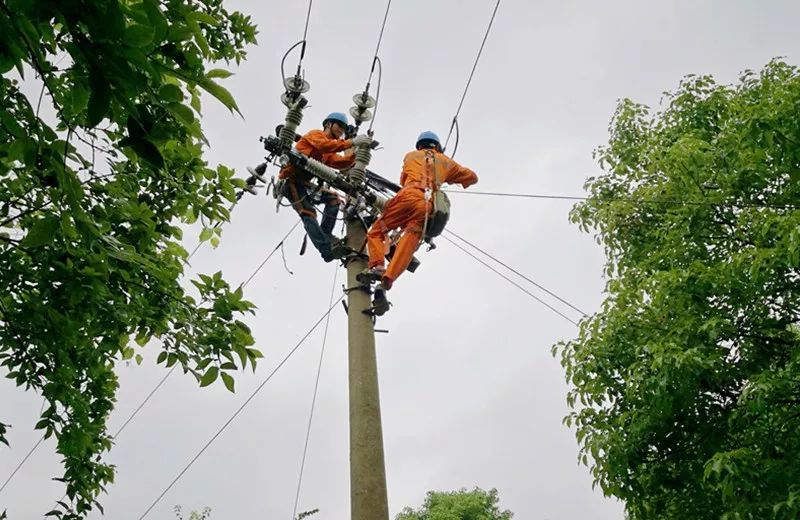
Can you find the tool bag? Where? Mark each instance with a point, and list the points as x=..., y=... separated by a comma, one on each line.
x=437, y=219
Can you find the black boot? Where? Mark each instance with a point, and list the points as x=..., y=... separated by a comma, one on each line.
x=380, y=305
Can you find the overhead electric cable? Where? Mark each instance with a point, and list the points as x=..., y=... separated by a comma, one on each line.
x=314, y=397
x=377, y=93
x=22, y=463
x=119, y=431
x=305, y=37
x=515, y=284
x=146, y=399
x=218, y=224
x=380, y=37
x=551, y=293
x=364, y=99
x=239, y=410
x=163, y=380
x=667, y=202
x=472, y=73
x=249, y=278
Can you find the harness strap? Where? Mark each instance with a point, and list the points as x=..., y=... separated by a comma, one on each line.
x=430, y=161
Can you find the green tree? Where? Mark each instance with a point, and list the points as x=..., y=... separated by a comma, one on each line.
x=458, y=505
x=686, y=384
x=90, y=203
x=204, y=514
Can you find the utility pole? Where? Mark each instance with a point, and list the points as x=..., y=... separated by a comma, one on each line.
x=368, y=496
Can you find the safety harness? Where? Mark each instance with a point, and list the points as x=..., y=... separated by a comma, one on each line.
x=436, y=219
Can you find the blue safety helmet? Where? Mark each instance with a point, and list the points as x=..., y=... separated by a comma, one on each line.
x=336, y=117
x=428, y=137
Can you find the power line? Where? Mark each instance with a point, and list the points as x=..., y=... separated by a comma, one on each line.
x=22, y=463
x=239, y=410
x=380, y=36
x=666, y=202
x=308, y=18
x=472, y=73
x=143, y=403
x=551, y=293
x=305, y=39
x=163, y=380
x=314, y=398
x=515, y=284
x=376, y=61
x=244, y=284
x=115, y=436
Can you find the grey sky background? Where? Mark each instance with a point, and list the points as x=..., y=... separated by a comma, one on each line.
x=471, y=395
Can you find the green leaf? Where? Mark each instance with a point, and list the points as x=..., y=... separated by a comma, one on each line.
x=228, y=380
x=218, y=73
x=182, y=112
x=171, y=93
x=199, y=38
x=195, y=102
x=42, y=232
x=16, y=152
x=200, y=16
x=142, y=338
x=205, y=234
x=99, y=99
x=138, y=35
x=148, y=152
x=79, y=98
x=219, y=92
x=10, y=124
x=157, y=18
x=210, y=376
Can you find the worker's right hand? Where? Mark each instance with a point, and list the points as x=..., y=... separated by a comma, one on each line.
x=361, y=140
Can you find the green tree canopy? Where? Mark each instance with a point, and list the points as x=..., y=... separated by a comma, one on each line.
x=90, y=203
x=687, y=382
x=458, y=505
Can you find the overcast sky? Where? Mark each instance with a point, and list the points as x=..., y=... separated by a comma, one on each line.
x=470, y=393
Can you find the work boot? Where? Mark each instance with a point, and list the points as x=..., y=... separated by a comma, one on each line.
x=338, y=247
x=373, y=274
x=380, y=305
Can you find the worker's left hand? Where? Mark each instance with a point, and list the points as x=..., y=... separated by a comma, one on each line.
x=362, y=140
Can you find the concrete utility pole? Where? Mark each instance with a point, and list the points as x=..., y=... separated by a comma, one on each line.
x=368, y=497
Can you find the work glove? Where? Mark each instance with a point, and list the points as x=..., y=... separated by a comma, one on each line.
x=361, y=140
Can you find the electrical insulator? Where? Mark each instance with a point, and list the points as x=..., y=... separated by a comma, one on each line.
x=294, y=116
x=360, y=112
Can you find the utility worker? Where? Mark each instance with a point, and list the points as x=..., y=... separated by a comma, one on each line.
x=424, y=169
x=322, y=145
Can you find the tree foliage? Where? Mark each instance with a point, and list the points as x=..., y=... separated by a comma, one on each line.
x=90, y=206
x=687, y=382
x=203, y=514
x=458, y=505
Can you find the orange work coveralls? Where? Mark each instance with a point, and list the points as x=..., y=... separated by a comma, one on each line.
x=317, y=145
x=408, y=209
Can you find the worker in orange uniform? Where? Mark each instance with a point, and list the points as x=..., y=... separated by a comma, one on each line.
x=424, y=169
x=322, y=145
